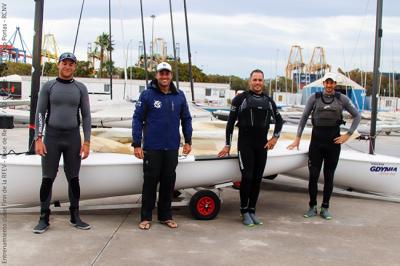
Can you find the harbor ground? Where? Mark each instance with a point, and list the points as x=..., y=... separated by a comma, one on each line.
x=363, y=231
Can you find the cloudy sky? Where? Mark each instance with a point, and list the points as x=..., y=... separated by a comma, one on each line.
x=227, y=37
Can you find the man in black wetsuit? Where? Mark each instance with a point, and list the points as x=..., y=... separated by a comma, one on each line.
x=253, y=110
x=326, y=109
x=60, y=102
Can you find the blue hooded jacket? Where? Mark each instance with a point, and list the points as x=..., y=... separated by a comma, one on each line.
x=157, y=116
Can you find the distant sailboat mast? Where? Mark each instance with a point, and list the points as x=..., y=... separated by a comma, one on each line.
x=110, y=41
x=377, y=57
x=189, y=53
x=144, y=44
x=174, y=46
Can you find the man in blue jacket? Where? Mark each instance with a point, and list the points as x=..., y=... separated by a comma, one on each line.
x=159, y=111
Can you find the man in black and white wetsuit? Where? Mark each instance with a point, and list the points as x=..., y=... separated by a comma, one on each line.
x=61, y=101
x=326, y=109
x=253, y=110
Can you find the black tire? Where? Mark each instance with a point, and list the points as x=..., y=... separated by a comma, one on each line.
x=204, y=205
x=270, y=177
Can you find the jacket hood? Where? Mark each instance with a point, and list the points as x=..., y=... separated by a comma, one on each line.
x=154, y=86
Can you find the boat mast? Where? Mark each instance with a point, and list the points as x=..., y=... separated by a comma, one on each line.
x=144, y=44
x=174, y=46
x=110, y=45
x=189, y=53
x=77, y=28
x=36, y=73
x=377, y=59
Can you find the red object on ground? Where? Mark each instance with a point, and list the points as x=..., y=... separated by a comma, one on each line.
x=236, y=185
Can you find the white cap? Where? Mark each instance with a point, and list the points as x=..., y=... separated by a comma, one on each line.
x=164, y=66
x=330, y=75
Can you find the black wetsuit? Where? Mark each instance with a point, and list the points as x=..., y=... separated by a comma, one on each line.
x=326, y=117
x=253, y=113
x=58, y=110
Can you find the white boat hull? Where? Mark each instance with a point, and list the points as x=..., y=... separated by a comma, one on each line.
x=111, y=174
x=377, y=174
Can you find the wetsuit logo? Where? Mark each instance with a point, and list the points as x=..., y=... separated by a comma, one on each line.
x=157, y=104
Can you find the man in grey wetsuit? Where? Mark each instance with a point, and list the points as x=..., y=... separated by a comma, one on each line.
x=60, y=102
x=326, y=109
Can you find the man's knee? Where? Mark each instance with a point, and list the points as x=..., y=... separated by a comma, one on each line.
x=45, y=189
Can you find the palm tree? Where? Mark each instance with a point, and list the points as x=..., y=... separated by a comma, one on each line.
x=103, y=41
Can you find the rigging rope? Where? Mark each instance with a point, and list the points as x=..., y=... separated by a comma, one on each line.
x=359, y=32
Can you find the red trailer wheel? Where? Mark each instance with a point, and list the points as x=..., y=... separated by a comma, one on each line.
x=205, y=205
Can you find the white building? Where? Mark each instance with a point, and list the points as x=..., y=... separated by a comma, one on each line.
x=287, y=98
x=211, y=93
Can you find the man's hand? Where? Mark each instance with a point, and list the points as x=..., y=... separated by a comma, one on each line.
x=271, y=143
x=295, y=144
x=138, y=153
x=342, y=139
x=85, y=150
x=187, y=148
x=225, y=151
x=40, y=148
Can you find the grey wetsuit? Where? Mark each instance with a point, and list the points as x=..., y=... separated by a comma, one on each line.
x=59, y=105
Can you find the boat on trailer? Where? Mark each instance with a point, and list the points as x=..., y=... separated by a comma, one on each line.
x=112, y=174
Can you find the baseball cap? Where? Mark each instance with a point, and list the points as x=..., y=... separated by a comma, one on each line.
x=164, y=66
x=67, y=55
x=330, y=75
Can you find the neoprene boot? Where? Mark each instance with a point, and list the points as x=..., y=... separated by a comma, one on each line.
x=43, y=224
x=311, y=212
x=76, y=220
x=325, y=214
x=255, y=219
x=246, y=219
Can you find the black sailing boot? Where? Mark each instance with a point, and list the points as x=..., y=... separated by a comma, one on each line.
x=76, y=220
x=43, y=224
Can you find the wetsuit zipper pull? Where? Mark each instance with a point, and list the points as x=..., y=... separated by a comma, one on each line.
x=251, y=117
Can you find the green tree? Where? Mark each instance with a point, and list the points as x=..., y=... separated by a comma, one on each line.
x=213, y=78
x=84, y=69
x=110, y=64
x=13, y=68
x=238, y=83
x=50, y=69
x=103, y=42
x=137, y=73
x=365, y=79
x=197, y=73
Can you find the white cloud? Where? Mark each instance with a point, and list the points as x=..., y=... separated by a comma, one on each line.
x=236, y=44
